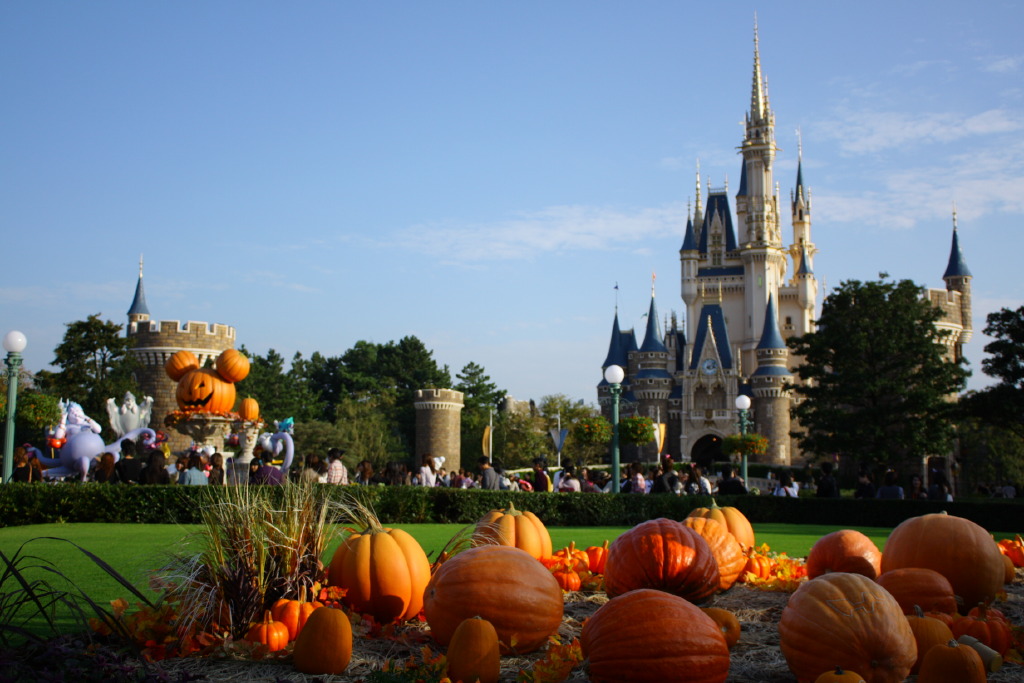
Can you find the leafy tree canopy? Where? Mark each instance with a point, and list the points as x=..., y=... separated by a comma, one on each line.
x=875, y=379
x=1002, y=404
x=281, y=393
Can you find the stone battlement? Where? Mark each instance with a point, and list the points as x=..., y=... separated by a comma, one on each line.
x=170, y=330
x=438, y=399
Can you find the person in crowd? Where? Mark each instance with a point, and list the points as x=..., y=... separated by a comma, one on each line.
x=587, y=484
x=314, y=471
x=427, y=473
x=337, y=473
x=22, y=471
x=569, y=482
x=731, y=484
x=180, y=465
x=364, y=473
x=567, y=464
x=394, y=475
x=193, y=474
x=1008, y=490
x=520, y=483
x=828, y=487
x=104, y=472
x=787, y=487
x=917, y=491
x=637, y=483
x=215, y=475
x=890, y=488
x=155, y=471
x=37, y=468
x=128, y=468
x=865, y=485
x=266, y=474
x=489, y=478
x=667, y=480
x=541, y=480
x=940, y=489
x=443, y=478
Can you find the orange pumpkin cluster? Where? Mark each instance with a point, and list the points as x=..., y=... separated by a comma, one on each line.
x=1013, y=549
x=578, y=570
x=767, y=570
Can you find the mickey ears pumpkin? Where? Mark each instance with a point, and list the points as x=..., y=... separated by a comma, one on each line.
x=180, y=363
x=232, y=365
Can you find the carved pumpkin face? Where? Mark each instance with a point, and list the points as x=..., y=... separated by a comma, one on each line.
x=203, y=390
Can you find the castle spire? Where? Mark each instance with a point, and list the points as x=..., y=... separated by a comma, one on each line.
x=758, y=104
x=957, y=266
x=652, y=337
x=139, y=311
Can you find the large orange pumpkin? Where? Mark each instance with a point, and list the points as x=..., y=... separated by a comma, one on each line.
x=850, y=621
x=203, y=390
x=846, y=550
x=505, y=586
x=665, y=555
x=916, y=586
x=232, y=365
x=250, y=410
x=516, y=528
x=957, y=548
x=180, y=363
x=734, y=520
x=384, y=572
x=724, y=547
x=650, y=635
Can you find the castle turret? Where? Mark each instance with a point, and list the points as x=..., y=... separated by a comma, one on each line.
x=772, y=398
x=139, y=312
x=649, y=376
x=958, y=279
x=439, y=425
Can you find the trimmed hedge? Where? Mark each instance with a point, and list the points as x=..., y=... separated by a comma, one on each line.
x=22, y=504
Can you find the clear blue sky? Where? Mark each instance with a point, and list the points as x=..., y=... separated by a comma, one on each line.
x=480, y=175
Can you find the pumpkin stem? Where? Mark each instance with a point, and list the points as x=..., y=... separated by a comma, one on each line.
x=918, y=612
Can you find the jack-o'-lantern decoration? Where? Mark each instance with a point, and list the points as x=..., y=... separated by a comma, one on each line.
x=207, y=390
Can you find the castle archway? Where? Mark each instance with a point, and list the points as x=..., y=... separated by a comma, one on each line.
x=706, y=451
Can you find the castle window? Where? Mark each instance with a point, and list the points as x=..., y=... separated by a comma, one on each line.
x=789, y=320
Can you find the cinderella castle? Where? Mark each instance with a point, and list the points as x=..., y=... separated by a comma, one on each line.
x=746, y=291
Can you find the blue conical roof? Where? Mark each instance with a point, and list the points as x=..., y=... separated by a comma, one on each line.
x=616, y=354
x=652, y=338
x=805, y=263
x=771, y=338
x=957, y=267
x=690, y=238
x=139, y=302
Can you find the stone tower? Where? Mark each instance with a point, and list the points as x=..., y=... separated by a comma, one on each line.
x=651, y=382
x=439, y=425
x=156, y=342
x=771, y=397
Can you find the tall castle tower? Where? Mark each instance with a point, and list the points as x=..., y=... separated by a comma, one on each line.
x=156, y=342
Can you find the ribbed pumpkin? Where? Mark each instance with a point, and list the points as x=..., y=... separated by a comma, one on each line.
x=846, y=620
x=505, y=586
x=516, y=528
x=992, y=630
x=1009, y=572
x=324, y=647
x=727, y=623
x=232, y=365
x=839, y=676
x=734, y=520
x=268, y=632
x=597, y=555
x=925, y=588
x=665, y=555
x=649, y=635
x=249, y=410
x=473, y=654
x=204, y=391
x=928, y=632
x=724, y=547
x=846, y=550
x=384, y=572
x=758, y=565
x=180, y=363
x=957, y=548
x=952, y=663
x=294, y=613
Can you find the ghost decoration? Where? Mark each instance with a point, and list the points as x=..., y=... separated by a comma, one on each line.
x=82, y=445
x=130, y=415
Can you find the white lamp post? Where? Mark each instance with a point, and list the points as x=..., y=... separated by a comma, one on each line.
x=614, y=375
x=743, y=405
x=14, y=344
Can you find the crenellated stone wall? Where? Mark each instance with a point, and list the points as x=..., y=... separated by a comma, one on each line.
x=439, y=425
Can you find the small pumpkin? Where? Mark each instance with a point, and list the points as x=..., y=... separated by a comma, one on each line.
x=839, y=676
x=324, y=646
x=846, y=550
x=850, y=621
x=724, y=546
x=665, y=555
x=294, y=613
x=951, y=663
x=734, y=520
x=232, y=365
x=576, y=559
x=650, y=635
x=990, y=630
x=928, y=632
x=473, y=653
x=568, y=578
x=268, y=632
x=249, y=410
x=516, y=528
x=1014, y=549
x=918, y=586
x=757, y=565
x=597, y=555
x=727, y=623
x=1009, y=572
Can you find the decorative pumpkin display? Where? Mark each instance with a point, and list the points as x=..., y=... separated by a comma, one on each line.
x=850, y=621
x=846, y=550
x=1009, y=572
x=992, y=631
x=574, y=558
x=505, y=586
x=205, y=390
x=1013, y=549
x=724, y=546
x=928, y=632
x=839, y=676
x=566, y=575
x=951, y=663
x=734, y=520
x=987, y=612
x=324, y=647
x=232, y=365
x=384, y=572
x=597, y=555
x=268, y=632
x=473, y=654
x=665, y=555
x=294, y=613
x=758, y=565
x=250, y=410
x=727, y=623
x=917, y=586
x=516, y=528
x=957, y=548
x=650, y=635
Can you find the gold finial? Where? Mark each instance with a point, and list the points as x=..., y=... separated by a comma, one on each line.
x=654, y=277
x=140, y=265
x=954, y=215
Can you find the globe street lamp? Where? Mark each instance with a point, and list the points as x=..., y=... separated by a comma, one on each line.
x=743, y=405
x=14, y=344
x=614, y=375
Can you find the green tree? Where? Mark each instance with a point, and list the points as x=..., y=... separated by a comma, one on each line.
x=366, y=432
x=559, y=408
x=519, y=437
x=480, y=397
x=876, y=380
x=1002, y=404
x=95, y=364
x=281, y=393
x=989, y=454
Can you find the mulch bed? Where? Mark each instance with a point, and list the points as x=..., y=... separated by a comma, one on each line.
x=755, y=659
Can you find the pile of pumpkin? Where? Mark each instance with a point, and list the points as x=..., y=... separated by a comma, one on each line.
x=861, y=615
